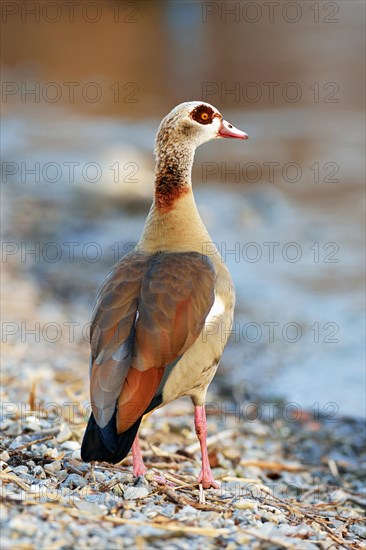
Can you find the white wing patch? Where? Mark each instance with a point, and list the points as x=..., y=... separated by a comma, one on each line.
x=217, y=310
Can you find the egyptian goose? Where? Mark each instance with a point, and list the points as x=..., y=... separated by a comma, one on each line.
x=154, y=334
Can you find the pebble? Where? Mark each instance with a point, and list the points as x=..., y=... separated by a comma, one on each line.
x=53, y=467
x=39, y=472
x=244, y=504
x=100, y=477
x=123, y=477
x=27, y=478
x=61, y=475
x=32, y=423
x=187, y=513
x=4, y=456
x=23, y=524
x=64, y=434
x=15, y=428
x=20, y=470
x=45, y=425
x=359, y=530
x=89, y=507
x=74, y=481
x=76, y=454
x=136, y=492
x=51, y=453
x=16, y=444
x=118, y=489
x=71, y=445
x=4, y=513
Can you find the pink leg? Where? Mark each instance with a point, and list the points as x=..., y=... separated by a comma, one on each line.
x=139, y=468
x=205, y=477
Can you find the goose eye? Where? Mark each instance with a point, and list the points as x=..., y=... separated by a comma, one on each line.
x=203, y=114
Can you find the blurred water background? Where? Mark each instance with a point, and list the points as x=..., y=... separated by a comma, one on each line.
x=84, y=87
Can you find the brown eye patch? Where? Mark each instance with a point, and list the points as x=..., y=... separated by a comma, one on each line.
x=203, y=114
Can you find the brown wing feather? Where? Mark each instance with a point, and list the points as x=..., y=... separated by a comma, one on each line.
x=112, y=333
x=177, y=294
x=173, y=294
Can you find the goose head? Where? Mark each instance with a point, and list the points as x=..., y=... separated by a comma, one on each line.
x=193, y=123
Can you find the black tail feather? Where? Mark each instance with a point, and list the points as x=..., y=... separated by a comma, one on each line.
x=103, y=445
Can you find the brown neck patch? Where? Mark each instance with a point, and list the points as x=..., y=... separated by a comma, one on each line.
x=169, y=186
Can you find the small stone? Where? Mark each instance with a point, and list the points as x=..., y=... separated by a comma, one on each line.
x=32, y=423
x=122, y=477
x=76, y=454
x=71, y=445
x=51, y=453
x=99, y=476
x=40, y=450
x=15, y=428
x=20, y=470
x=358, y=530
x=73, y=481
x=16, y=444
x=118, y=490
x=134, y=493
x=32, y=426
x=61, y=475
x=269, y=516
x=45, y=425
x=80, y=466
x=4, y=456
x=187, y=513
x=23, y=525
x=39, y=472
x=4, y=513
x=244, y=504
x=53, y=467
x=232, y=453
x=64, y=434
x=27, y=478
x=89, y=507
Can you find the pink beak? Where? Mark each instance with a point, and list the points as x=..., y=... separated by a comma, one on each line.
x=227, y=130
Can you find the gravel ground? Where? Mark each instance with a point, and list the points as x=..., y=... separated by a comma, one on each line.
x=292, y=482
